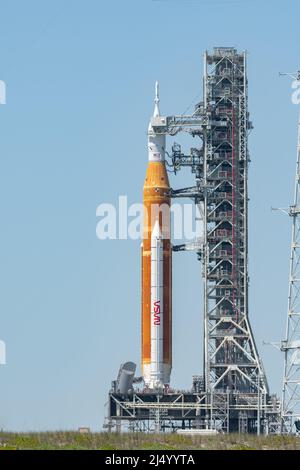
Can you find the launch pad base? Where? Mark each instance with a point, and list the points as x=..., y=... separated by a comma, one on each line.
x=173, y=410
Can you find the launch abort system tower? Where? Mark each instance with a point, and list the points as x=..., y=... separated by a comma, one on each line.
x=232, y=393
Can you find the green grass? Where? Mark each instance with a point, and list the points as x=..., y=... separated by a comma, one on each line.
x=135, y=441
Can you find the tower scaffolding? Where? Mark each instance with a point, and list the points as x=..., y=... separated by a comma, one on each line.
x=231, y=361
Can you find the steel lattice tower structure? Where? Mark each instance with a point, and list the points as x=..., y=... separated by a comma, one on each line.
x=231, y=360
x=291, y=344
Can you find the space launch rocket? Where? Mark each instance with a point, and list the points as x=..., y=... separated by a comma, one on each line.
x=156, y=264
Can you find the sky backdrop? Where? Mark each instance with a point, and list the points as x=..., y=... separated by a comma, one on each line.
x=80, y=78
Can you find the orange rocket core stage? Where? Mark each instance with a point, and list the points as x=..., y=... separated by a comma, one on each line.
x=156, y=200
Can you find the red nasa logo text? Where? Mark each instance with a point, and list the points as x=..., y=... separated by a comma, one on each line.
x=156, y=311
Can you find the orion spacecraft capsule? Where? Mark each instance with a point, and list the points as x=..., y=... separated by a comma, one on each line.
x=156, y=265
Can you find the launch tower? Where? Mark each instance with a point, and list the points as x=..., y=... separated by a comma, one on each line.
x=231, y=360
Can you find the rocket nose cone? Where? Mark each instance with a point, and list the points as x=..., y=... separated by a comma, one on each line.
x=156, y=100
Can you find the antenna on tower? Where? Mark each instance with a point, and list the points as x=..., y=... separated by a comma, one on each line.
x=294, y=75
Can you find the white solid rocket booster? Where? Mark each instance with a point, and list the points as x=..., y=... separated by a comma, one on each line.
x=157, y=315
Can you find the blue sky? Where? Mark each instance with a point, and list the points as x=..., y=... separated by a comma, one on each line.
x=80, y=79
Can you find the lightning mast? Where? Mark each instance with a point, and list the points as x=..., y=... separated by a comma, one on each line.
x=291, y=344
